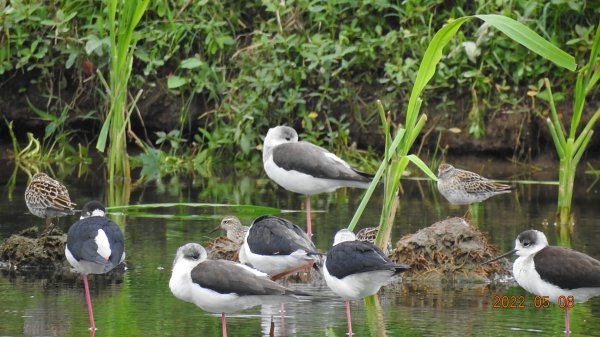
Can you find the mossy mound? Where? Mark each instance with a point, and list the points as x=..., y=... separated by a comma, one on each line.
x=222, y=248
x=30, y=250
x=451, y=249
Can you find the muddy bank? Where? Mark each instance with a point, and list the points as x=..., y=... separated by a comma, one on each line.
x=507, y=132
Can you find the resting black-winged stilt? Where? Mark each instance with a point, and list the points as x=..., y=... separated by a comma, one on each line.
x=47, y=198
x=277, y=247
x=305, y=168
x=221, y=286
x=562, y=274
x=355, y=269
x=95, y=245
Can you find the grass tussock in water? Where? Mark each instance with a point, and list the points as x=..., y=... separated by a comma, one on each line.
x=448, y=249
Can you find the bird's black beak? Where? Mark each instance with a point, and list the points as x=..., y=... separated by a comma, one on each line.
x=511, y=252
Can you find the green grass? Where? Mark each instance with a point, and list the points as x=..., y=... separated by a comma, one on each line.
x=570, y=146
x=397, y=150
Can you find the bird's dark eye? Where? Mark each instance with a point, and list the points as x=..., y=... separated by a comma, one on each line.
x=194, y=256
x=287, y=138
x=526, y=244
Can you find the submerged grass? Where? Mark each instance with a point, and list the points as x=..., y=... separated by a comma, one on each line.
x=241, y=209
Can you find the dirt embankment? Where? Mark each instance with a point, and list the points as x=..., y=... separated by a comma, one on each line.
x=521, y=132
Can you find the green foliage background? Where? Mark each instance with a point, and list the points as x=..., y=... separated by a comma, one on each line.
x=319, y=65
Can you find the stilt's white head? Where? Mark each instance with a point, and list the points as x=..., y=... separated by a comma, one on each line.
x=530, y=242
x=277, y=136
x=189, y=255
x=343, y=235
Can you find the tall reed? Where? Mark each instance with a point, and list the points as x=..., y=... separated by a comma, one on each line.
x=571, y=146
x=397, y=151
x=122, y=46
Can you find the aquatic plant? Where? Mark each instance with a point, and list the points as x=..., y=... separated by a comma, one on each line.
x=122, y=46
x=397, y=151
x=571, y=146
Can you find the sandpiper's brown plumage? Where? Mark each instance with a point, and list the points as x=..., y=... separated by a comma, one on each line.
x=235, y=230
x=462, y=187
x=47, y=198
x=369, y=234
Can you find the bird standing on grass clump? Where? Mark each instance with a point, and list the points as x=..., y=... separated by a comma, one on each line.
x=235, y=230
x=47, y=198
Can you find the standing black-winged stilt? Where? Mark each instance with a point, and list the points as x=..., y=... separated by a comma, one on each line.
x=562, y=274
x=95, y=245
x=355, y=269
x=221, y=286
x=277, y=247
x=47, y=198
x=305, y=168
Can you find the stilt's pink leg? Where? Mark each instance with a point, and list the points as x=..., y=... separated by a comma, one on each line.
x=349, y=318
x=308, y=221
x=282, y=314
x=223, y=325
x=293, y=270
x=89, y=302
x=567, y=322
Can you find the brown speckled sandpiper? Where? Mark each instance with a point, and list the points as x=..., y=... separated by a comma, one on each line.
x=462, y=187
x=47, y=198
x=235, y=230
x=369, y=234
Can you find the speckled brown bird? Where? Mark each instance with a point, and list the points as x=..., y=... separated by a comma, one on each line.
x=369, y=234
x=462, y=187
x=47, y=198
x=236, y=232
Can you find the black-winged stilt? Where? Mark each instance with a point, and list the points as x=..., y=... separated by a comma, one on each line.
x=221, y=286
x=305, y=168
x=277, y=247
x=566, y=276
x=47, y=198
x=355, y=269
x=95, y=245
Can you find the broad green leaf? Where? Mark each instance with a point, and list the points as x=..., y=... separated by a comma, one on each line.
x=191, y=63
x=176, y=82
x=93, y=43
x=531, y=40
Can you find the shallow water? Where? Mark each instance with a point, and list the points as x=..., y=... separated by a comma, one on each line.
x=138, y=301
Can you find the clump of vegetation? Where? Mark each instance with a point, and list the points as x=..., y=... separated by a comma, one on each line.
x=570, y=146
x=315, y=66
